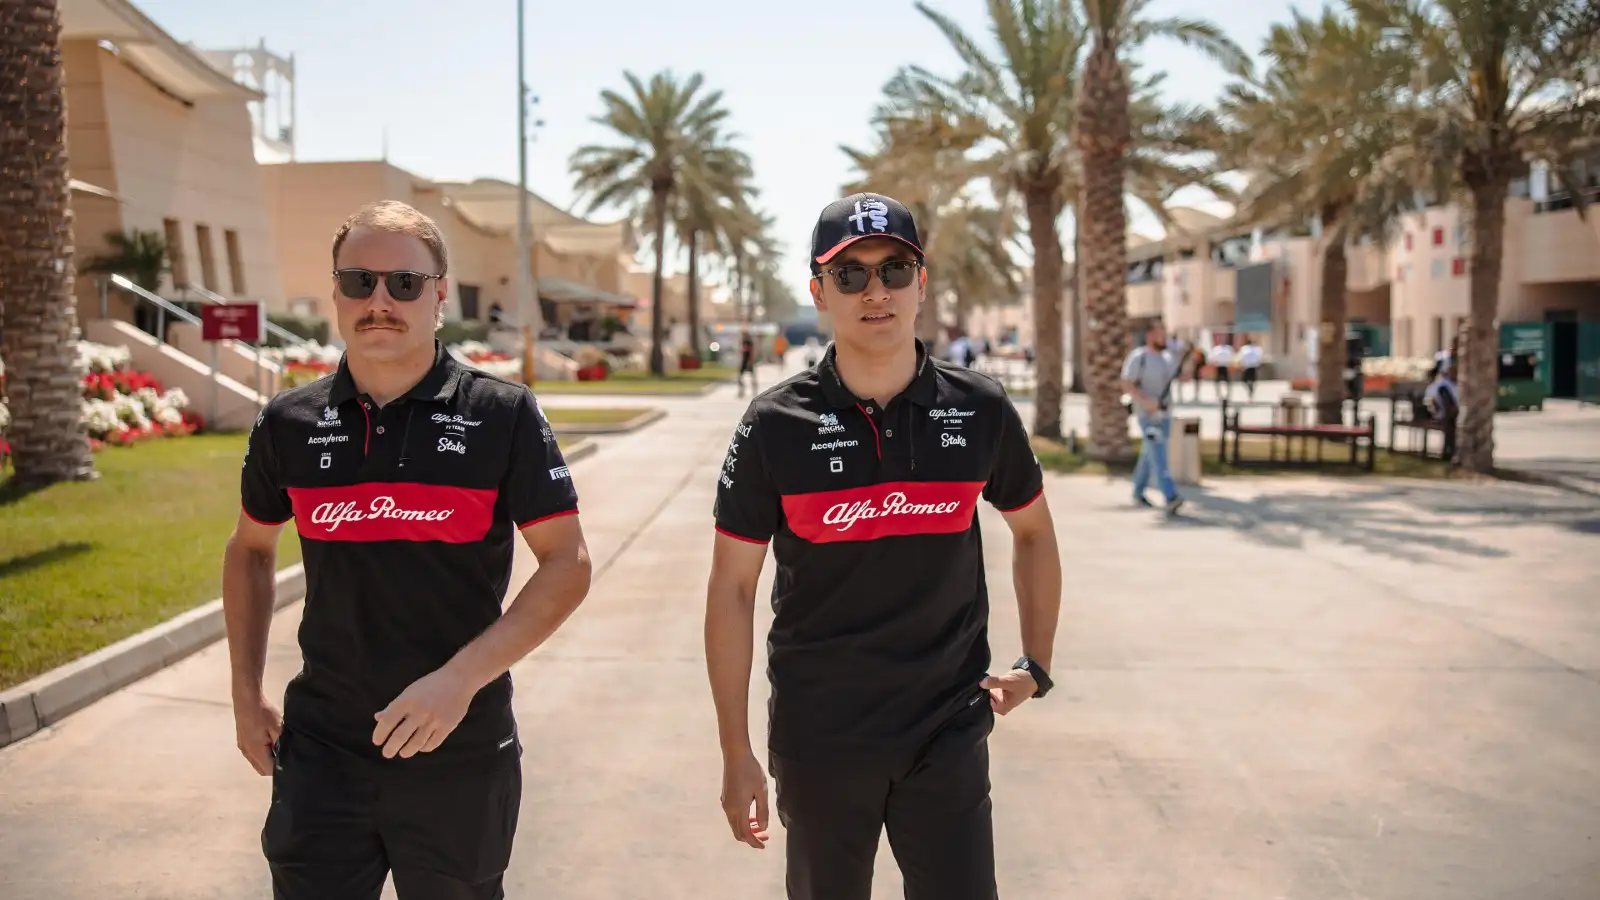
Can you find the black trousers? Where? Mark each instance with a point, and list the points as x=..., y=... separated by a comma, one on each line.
x=338, y=826
x=935, y=805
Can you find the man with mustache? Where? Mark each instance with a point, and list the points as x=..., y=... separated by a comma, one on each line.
x=409, y=476
x=864, y=475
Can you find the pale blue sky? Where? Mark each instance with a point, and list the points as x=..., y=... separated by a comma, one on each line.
x=441, y=76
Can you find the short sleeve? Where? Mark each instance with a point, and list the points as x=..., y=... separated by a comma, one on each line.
x=748, y=506
x=1015, y=479
x=261, y=490
x=537, y=484
x=1129, y=370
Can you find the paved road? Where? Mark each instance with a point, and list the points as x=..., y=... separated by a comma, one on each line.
x=1304, y=690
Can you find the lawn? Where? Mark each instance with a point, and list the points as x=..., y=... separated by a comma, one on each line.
x=683, y=381
x=594, y=415
x=1057, y=458
x=85, y=565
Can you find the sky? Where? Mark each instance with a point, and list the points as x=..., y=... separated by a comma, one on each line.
x=439, y=79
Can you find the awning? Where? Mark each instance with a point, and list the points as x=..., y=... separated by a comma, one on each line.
x=560, y=290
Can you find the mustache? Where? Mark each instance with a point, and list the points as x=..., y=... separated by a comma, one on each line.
x=379, y=322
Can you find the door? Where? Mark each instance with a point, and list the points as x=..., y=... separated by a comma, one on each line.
x=1564, y=359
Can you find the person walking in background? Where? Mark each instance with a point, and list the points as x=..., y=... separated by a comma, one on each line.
x=747, y=361
x=409, y=477
x=813, y=350
x=864, y=475
x=1147, y=376
x=780, y=349
x=1221, y=360
x=1250, y=363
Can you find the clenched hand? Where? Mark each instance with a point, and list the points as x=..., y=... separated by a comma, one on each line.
x=256, y=725
x=422, y=716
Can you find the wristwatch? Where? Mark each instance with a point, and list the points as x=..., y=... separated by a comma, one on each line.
x=1040, y=676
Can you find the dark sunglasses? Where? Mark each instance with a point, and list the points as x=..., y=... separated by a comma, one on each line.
x=358, y=284
x=853, y=278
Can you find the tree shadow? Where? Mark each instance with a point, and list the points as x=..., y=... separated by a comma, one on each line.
x=11, y=490
x=1411, y=522
x=16, y=565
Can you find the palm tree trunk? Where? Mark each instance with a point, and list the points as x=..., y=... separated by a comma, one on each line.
x=1102, y=139
x=1480, y=374
x=38, y=313
x=659, y=214
x=738, y=287
x=694, y=293
x=1330, y=336
x=1040, y=197
x=1077, y=383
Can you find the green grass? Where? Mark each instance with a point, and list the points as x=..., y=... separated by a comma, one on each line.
x=1056, y=458
x=594, y=415
x=685, y=382
x=84, y=565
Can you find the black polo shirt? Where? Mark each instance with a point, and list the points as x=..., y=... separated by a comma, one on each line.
x=880, y=629
x=407, y=515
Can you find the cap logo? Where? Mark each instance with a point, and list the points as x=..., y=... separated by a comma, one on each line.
x=874, y=211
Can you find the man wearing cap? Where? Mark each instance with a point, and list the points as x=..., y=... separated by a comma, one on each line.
x=864, y=474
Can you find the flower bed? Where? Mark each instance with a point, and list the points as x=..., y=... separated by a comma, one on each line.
x=122, y=406
x=303, y=363
x=482, y=356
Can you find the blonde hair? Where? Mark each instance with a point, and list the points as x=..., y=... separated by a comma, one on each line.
x=396, y=218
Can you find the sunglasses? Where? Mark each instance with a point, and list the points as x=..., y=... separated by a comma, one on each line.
x=358, y=284
x=854, y=278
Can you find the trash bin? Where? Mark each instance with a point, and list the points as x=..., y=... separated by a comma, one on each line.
x=1183, y=451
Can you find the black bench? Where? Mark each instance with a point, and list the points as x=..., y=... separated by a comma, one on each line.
x=1288, y=434
x=1418, y=424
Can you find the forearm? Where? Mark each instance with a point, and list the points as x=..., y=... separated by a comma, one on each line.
x=1036, y=574
x=730, y=639
x=1133, y=391
x=248, y=592
x=548, y=598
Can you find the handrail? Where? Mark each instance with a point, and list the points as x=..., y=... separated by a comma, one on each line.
x=164, y=305
x=273, y=328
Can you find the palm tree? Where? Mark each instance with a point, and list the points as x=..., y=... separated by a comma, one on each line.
x=38, y=315
x=1496, y=83
x=1104, y=130
x=664, y=127
x=1317, y=135
x=974, y=258
x=707, y=205
x=142, y=256
x=1023, y=104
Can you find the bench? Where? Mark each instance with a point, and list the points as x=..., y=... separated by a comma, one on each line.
x=1288, y=433
x=1418, y=424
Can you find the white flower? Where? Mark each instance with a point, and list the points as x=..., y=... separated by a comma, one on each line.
x=130, y=411
x=5, y=417
x=147, y=398
x=168, y=416
x=103, y=358
x=175, y=398
x=100, y=417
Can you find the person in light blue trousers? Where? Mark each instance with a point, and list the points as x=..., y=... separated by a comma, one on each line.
x=1147, y=377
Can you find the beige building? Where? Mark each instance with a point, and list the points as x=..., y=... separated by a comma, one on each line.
x=159, y=140
x=580, y=267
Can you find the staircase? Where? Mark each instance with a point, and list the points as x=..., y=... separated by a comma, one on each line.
x=237, y=403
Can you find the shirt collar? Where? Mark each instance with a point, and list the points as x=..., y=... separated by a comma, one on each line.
x=923, y=389
x=439, y=384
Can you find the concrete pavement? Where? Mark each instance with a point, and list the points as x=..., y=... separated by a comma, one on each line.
x=1305, y=689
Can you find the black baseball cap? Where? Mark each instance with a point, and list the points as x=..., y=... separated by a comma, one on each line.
x=859, y=216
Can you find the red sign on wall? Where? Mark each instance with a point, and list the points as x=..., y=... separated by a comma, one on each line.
x=233, y=322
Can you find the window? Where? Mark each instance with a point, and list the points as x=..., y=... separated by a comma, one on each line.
x=469, y=301
x=1403, y=336
x=1458, y=266
x=230, y=239
x=1438, y=237
x=180, y=275
x=208, y=262
x=1436, y=270
x=1438, y=333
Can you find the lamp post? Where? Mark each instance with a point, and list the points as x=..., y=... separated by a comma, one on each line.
x=527, y=293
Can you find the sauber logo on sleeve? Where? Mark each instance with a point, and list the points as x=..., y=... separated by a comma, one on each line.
x=883, y=510
x=393, y=512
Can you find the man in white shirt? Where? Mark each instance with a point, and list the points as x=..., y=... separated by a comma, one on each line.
x=1221, y=359
x=1250, y=362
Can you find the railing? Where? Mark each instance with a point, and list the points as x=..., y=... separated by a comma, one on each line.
x=274, y=329
x=164, y=307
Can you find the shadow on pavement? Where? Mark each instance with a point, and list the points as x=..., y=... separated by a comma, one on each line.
x=1416, y=523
